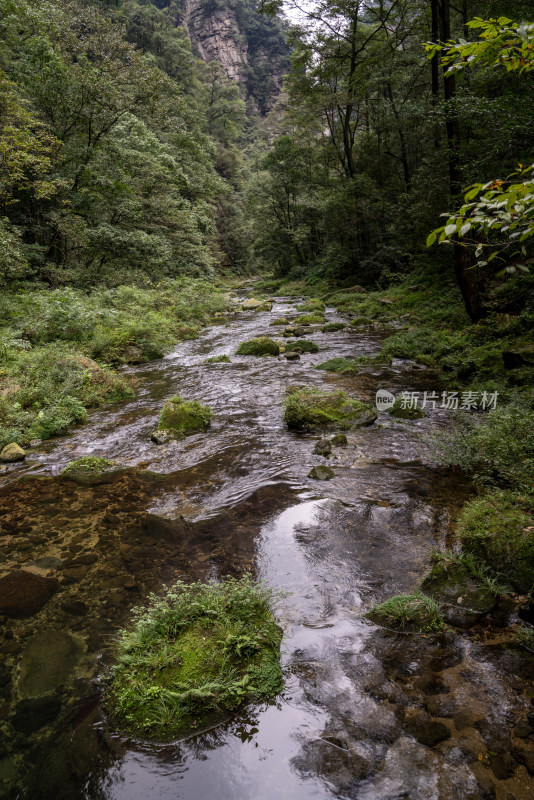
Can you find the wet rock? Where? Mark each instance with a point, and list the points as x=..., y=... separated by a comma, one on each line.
x=75, y=608
x=465, y=718
x=5, y=675
x=463, y=600
x=47, y=662
x=321, y=473
x=522, y=730
x=48, y=562
x=426, y=730
x=251, y=304
x=323, y=448
x=157, y=526
x=525, y=757
x=339, y=440
x=74, y=574
x=162, y=437
x=292, y=356
x=300, y=331
x=503, y=766
x=12, y=453
x=23, y=594
x=32, y=714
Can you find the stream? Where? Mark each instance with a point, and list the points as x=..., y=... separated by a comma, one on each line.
x=366, y=713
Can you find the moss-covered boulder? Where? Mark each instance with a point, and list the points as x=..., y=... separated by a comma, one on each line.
x=306, y=409
x=12, y=453
x=279, y=322
x=339, y=440
x=183, y=417
x=251, y=304
x=261, y=346
x=310, y=319
x=323, y=448
x=193, y=656
x=224, y=359
x=463, y=599
x=330, y=327
x=412, y=612
x=401, y=410
x=498, y=529
x=92, y=471
x=341, y=365
x=321, y=473
x=303, y=346
x=314, y=304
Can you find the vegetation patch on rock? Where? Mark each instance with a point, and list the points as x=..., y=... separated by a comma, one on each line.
x=306, y=409
x=333, y=326
x=261, y=346
x=279, y=321
x=224, y=359
x=339, y=364
x=310, y=319
x=401, y=410
x=313, y=304
x=413, y=612
x=303, y=345
x=183, y=417
x=88, y=464
x=194, y=655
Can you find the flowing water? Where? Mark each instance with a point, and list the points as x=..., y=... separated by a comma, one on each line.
x=366, y=713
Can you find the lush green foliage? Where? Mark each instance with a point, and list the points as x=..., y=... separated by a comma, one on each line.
x=409, y=611
x=87, y=464
x=194, y=654
x=339, y=364
x=183, y=417
x=261, y=346
x=304, y=345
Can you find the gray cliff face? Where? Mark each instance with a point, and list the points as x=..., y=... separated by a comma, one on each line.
x=217, y=37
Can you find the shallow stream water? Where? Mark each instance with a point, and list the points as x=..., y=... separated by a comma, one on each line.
x=359, y=700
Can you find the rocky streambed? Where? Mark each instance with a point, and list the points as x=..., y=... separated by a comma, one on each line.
x=366, y=712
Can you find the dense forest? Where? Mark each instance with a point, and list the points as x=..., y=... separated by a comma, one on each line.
x=374, y=157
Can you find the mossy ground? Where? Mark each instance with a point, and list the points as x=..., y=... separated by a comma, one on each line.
x=413, y=612
x=261, y=346
x=401, y=410
x=306, y=409
x=280, y=321
x=193, y=656
x=312, y=305
x=183, y=417
x=498, y=529
x=88, y=464
x=309, y=319
x=333, y=326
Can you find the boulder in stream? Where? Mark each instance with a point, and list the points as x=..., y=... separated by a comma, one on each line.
x=321, y=473
x=181, y=417
x=12, y=453
x=306, y=409
x=23, y=594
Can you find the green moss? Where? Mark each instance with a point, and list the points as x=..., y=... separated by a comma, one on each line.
x=184, y=416
x=306, y=409
x=339, y=364
x=89, y=464
x=400, y=410
x=309, y=319
x=314, y=304
x=224, y=359
x=415, y=612
x=525, y=636
x=304, y=345
x=498, y=529
x=194, y=655
x=333, y=326
x=261, y=346
x=279, y=321
x=360, y=321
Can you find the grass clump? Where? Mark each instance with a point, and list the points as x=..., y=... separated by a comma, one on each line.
x=314, y=304
x=184, y=417
x=333, y=326
x=261, y=346
x=497, y=528
x=224, y=359
x=194, y=655
x=309, y=319
x=87, y=465
x=307, y=408
x=414, y=612
x=525, y=637
x=401, y=410
x=279, y=321
x=339, y=364
x=304, y=345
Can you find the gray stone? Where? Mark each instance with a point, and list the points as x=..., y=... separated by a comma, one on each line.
x=323, y=448
x=292, y=356
x=162, y=437
x=321, y=473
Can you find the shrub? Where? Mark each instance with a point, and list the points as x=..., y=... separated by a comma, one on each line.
x=306, y=409
x=498, y=529
x=497, y=448
x=261, y=346
x=193, y=655
x=415, y=612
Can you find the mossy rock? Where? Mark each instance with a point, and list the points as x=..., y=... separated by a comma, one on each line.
x=88, y=464
x=12, y=453
x=310, y=319
x=279, y=321
x=330, y=327
x=341, y=365
x=312, y=305
x=303, y=346
x=498, y=529
x=400, y=410
x=183, y=417
x=323, y=448
x=412, y=612
x=253, y=304
x=357, y=321
x=463, y=599
x=321, y=473
x=93, y=471
x=193, y=656
x=306, y=409
x=224, y=359
x=339, y=440
x=261, y=346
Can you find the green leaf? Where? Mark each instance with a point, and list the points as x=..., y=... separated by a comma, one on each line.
x=431, y=239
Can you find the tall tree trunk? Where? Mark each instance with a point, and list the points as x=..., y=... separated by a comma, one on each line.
x=463, y=269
